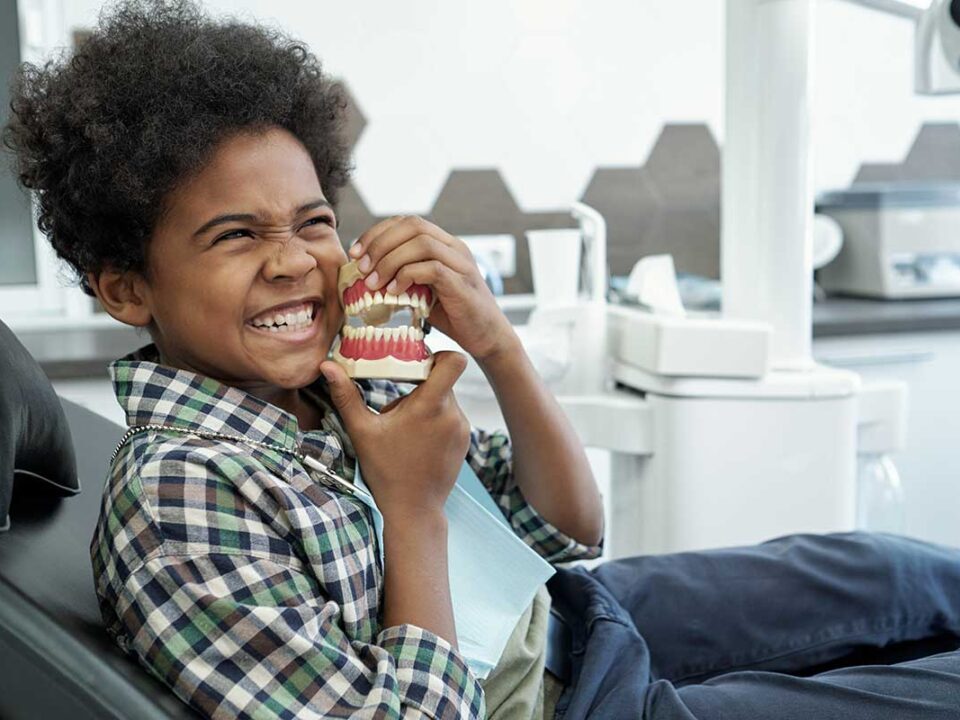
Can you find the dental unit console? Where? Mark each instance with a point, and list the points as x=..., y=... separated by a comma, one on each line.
x=368, y=346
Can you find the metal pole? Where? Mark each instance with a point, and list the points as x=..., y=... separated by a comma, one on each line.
x=766, y=249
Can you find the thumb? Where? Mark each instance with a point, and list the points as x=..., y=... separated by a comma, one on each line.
x=344, y=394
x=447, y=367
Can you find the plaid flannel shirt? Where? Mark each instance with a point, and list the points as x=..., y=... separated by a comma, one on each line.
x=251, y=589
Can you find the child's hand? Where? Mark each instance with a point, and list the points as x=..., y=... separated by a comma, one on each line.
x=410, y=453
x=404, y=250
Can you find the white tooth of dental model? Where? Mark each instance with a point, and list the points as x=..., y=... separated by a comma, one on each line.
x=371, y=350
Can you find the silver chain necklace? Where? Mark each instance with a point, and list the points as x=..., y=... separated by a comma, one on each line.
x=324, y=475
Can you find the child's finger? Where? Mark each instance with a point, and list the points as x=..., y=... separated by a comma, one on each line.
x=446, y=282
x=394, y=235
x=345, y=396
x=359, y=247
x=448, y=366
x=423, y=248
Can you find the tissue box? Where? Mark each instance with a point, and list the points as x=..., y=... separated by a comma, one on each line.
x=691, y=346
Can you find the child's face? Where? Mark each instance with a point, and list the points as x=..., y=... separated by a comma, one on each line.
x=249, y=234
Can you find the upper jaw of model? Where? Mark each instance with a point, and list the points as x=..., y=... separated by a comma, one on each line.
x=369, y=350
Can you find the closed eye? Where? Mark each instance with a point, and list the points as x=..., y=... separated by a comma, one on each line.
x=233, y=234
x=321, y=220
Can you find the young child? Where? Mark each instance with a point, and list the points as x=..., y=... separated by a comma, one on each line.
x=188, y=170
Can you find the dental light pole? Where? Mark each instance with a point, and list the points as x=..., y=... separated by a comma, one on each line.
x=766, y=246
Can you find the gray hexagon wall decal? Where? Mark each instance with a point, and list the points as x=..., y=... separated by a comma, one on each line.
x=933, y=157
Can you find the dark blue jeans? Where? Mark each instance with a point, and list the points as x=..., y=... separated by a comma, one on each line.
x=852, y=627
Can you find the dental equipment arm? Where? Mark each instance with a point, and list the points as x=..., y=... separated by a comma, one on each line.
x=903, y=8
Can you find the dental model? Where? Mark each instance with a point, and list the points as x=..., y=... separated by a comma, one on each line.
x=370, y=350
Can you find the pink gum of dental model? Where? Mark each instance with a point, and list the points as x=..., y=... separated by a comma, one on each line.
x=372, y=351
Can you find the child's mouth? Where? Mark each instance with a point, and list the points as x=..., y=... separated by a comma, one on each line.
x=294, y=322
x=366, y=348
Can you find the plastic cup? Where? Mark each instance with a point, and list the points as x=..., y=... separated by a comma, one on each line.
x=555, y=265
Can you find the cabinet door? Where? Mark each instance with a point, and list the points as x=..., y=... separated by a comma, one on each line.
x=929, y=363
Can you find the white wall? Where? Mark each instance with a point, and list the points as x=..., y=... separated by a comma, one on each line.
x=549, y=89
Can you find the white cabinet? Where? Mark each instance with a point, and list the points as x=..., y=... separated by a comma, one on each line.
x=929, y=363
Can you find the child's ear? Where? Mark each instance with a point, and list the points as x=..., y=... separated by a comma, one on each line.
x=122, y=296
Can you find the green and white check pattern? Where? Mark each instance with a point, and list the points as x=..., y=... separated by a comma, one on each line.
x=254, y=591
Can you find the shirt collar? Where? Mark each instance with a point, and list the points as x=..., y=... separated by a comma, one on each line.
x=155, y=394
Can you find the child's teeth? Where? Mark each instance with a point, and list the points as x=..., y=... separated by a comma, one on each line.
x=367, y=300
x=403, y=332
x=378, y=297
x=378, y=333
x=404, y=299
x=390, y=299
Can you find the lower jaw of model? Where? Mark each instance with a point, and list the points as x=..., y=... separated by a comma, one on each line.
x=368, y=349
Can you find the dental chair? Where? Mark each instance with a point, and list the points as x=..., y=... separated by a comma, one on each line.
x=56, y=660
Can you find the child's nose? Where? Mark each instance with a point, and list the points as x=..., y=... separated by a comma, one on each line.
x=289, y=259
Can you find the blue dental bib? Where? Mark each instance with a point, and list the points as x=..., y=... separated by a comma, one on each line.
x=494, y=575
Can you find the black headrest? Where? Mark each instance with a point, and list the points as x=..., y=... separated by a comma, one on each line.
x=35, y=444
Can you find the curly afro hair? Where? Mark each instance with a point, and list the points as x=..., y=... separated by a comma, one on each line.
x=104, y=136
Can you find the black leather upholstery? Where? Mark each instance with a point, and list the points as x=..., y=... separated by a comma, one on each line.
x=35, y=447
x=56, y=660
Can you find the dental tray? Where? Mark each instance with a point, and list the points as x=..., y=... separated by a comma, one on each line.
x=690, y=346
